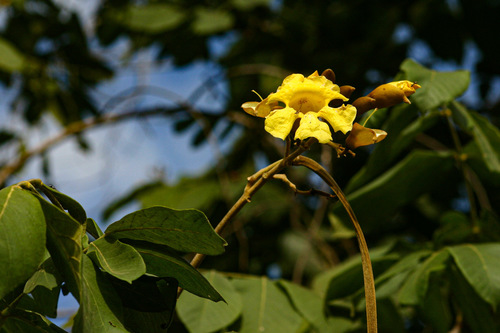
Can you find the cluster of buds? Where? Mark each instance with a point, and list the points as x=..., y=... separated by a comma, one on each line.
x=306, y=107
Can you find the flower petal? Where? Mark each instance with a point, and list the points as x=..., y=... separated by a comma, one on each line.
x=279, y=123
x=340, y=118
x=311, y=127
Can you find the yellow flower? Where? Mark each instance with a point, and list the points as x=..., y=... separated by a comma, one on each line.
x=306, y=99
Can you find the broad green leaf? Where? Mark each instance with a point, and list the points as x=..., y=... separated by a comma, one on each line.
x=435, y=308
x=44, y=287
x=265, y=307
x=183, y=230
x=390, y=281
x=41, y=300
x=153, y=18
x=93, y=228
x=116, y=258
x=148, y=303
x=349, y=274
x=480, y=265
x=71, y=205
x=438, y=88
x=163, y=262
x=476, y=312
x=28, y=322
x=100, y=307
x=310, y=305
x=486, y=135
x=64, y=242
x=45, y=276
x=22, y=237
x=403, y=125
x=12, y=60
x=378, y=200
x=415, y=288
x=249, y=4
x=201, y=315
x=209, y=21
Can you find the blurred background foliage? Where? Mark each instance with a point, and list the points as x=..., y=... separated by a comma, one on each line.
x=410, y=190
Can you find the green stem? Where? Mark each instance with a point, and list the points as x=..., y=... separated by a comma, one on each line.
x=369, y=281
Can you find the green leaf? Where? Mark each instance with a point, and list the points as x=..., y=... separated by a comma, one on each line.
x=403, y=125
x=71, y=205
x=163, y=262
x=249, y=4
x=309, y=304
x=480, y=265
x=42, y=300
x=476, y=312
x=28, y=322
x=265, y=307
x=12, y=60
x=45, y=276
x=183, y=230
x=211, y=21
x=202, y=315
x=116, y=258
x=381, y=198
x=153, y=18
x=438, y=88
x=22, y=237
x=347, y=277
x=64, y=242
x=148, y=303
x=93, y=228
x=390, y=281
x=100, y=307
x=486, y=135
x=435, y=308
x=415, y=288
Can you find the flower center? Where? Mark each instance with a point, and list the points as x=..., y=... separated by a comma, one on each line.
x=307, y=102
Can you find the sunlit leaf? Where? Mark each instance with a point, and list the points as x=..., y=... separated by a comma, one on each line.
x=183, y=230
x=265, y=307
x=480, y=265
x=45, y=276
x=201, y=315
x=210, y=21
x=22, y=237
x=116, y=258
x=64, y=242
x=310, y=305
x=71, y=205
x=100, y=307
x=12, y=60
x=154, y=17
x=163, y=262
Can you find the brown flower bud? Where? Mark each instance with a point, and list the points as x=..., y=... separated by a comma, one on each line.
x=393, y=93
x=363, y=136
x=329, y=74
x=364, y=104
